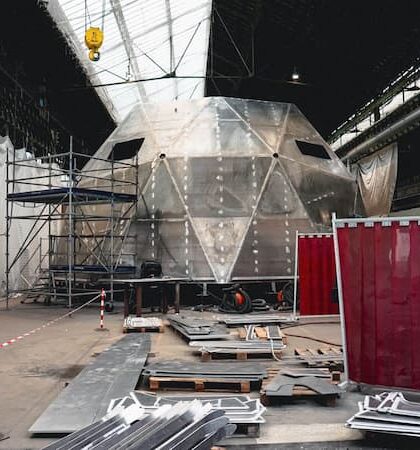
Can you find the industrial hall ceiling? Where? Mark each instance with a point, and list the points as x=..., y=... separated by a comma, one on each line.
x=345, y=52
x=328, y=57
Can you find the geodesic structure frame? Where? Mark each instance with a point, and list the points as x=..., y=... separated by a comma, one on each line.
x=225, y=183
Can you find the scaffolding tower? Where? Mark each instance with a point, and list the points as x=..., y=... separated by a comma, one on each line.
x=88, y=214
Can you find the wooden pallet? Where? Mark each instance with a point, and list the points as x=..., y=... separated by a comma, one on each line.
x=298, y=391
x=199, y=384
x=240, y=356
x=333, y=364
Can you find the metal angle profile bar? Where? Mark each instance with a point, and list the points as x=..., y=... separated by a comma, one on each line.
x=388, y=401
x=394, y=418
x=196, y=436
x=404, y=407
x=191, y=434
x=375, y=426
x=115, y=441
x=163, y=431
x=371, y=402
x=211, y=430
x=82, y=434
x=147, y=399
x=177, y=426
x=211, y=439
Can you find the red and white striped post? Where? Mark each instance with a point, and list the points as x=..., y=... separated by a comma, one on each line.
x=101, y=326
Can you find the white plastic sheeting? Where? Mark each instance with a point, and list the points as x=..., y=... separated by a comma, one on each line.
x=376, y=176
x=143, y=39
x=25, y=272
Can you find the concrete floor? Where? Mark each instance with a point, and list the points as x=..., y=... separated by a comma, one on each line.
x=35, y=369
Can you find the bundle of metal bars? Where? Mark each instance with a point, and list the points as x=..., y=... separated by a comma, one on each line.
x=198, y=329
x=180, y=426
x=389, y=412
x=239, y=409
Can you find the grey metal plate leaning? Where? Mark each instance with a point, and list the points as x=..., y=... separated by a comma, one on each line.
x=112, y=374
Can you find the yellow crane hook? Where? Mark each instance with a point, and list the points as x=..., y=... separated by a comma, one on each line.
x=94, y=38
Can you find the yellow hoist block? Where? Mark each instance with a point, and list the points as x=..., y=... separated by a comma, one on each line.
x=94, y=37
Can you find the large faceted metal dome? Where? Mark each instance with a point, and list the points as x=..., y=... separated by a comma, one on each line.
x=225, y=183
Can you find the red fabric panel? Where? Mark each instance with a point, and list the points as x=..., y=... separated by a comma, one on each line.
x=380, y=271
x=316, y=275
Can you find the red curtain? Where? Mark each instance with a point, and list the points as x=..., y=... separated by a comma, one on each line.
x=316, y=275
x=380, y=271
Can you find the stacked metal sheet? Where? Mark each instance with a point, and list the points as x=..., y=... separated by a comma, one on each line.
x=146, y=323
x=85, y=400
x=254, y=319
x=239, y=409
x=249, y=347
x=389, y=412
x=180, y=426
x=192, y=369
x=198, y=329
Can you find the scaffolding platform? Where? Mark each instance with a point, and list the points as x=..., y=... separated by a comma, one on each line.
x=78, y=195
x=92, y=268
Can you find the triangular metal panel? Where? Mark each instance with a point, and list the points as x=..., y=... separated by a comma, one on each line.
x=221, y=239
x=159, y=197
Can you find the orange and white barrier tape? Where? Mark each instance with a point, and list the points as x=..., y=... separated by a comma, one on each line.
x=51, y=322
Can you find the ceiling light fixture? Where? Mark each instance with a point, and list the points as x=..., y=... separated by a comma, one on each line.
x=295, y=75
